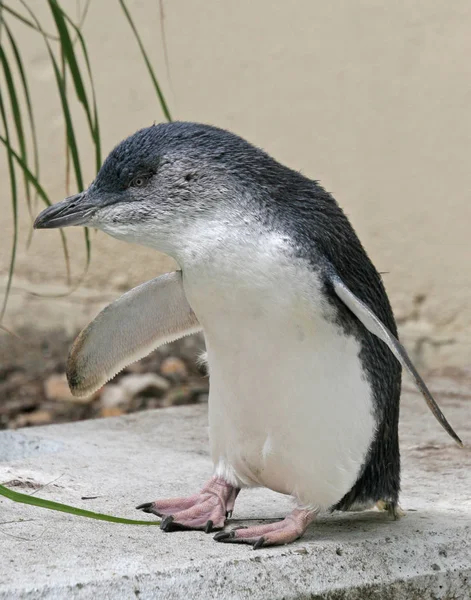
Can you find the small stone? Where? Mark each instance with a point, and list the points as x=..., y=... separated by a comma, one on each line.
x=154, y=403
x=57, y=389
x=111, y=411
x=435, y=567
x=17, y=405
x=339, y=551
x=38, y=417
x=145, y=384
x=17, y=378
x=177, y=396
x=443, y=552
x=114, y=396
x=174, y=368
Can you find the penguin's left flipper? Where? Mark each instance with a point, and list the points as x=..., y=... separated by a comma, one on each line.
x=152, y=314
x=377, y=328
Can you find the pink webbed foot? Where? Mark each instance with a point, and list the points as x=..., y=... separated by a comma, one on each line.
x=286, y=531
x=206, y=511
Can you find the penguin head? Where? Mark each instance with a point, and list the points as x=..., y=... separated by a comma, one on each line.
x=160, y=182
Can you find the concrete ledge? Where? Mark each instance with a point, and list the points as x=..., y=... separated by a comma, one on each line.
x=129, y=460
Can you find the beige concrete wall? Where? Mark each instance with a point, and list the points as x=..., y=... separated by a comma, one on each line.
x=371, y=98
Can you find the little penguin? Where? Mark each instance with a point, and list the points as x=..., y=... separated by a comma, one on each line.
x=302, y=349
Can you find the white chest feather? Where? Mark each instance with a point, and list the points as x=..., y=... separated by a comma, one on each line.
x=290, y=407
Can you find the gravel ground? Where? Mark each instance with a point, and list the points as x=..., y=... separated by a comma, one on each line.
x=34, y=391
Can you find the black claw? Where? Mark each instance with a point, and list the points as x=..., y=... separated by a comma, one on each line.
x=228, y=514
x=224, y=536
x=145, y=507
x=166, y=524
x=259, y=543
x=209, y=527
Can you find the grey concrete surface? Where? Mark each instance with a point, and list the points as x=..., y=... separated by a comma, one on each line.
x=129, y=460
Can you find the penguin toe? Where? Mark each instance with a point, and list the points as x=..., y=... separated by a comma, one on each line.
x=205, y=511
x=167, y=524
x=275, y=533
x=145, y=507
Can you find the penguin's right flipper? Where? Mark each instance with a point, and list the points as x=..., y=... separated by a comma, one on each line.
x=366, y=316
x=152, y=314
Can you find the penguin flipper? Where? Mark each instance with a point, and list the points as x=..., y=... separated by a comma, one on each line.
x=151, y=314
x=377, y=328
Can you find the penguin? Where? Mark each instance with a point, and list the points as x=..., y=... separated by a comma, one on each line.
x=302, y=349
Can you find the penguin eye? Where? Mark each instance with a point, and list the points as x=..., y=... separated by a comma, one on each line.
x=140, y=180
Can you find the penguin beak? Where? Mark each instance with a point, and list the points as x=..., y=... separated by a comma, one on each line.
x=74, y=210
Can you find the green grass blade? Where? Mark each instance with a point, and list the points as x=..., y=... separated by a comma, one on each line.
x=28, y=173
x=70, y=132
x=84, y=14
x=92, y=115
x=160, y=95
x=69, y=55
x=164, y=40
x=14, y=203
x=60, y=18
x=17, y=118
x=25, y=21
x=88, y=250
x=27, y=97
x=72, y=510
x=6, y=330
x=71, y=140
x=39, y=190
x=67, y=149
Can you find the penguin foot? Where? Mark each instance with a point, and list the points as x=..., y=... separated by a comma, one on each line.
x=394, y=510
x=282, y=532
x=205, y=511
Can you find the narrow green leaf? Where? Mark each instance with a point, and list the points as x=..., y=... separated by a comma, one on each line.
x=92, y=115
x=40, y=191
x=14, y=203
x=71, y=140
x=67, y=149
x=17, y=118
x=160, y=95
x=69, y=55
x=79, y=512
x=164, y=39
x=60, y=18
x=83, y=16
x=2, y=20
x=26, y=21
x=27, y=97
x=88, y=249
x=68, y=125
x=70, y=133
x=29, y=174
x=6, y=330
